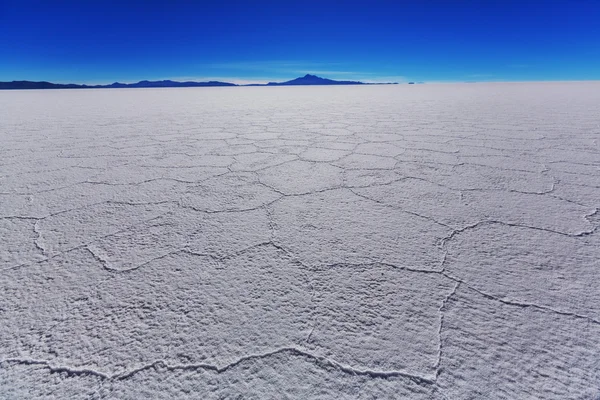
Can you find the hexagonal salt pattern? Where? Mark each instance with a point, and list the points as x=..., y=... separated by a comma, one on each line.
x=374, y=242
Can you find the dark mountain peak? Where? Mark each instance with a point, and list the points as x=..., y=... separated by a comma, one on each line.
x=310, y=79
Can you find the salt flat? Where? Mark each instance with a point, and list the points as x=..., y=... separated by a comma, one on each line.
x=376, y=242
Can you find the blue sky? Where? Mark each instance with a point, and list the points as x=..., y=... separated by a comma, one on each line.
x=89, y=41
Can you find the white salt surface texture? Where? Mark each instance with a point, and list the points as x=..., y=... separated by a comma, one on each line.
x=376, y=242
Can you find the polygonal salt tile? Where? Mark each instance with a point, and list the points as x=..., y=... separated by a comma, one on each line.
x=234, y=192
x=224, y=234
x=339, y=227
x=297, y=177
x=378, y=317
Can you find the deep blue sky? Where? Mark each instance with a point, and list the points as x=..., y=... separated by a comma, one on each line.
x=91, y=41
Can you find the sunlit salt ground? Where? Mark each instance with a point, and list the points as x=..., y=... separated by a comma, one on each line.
x=382, y=242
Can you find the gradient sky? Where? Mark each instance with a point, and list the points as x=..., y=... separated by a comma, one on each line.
x=89, y=41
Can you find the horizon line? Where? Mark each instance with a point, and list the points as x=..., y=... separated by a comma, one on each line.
x=231, y=80
x=237, y=82
x=240, y=82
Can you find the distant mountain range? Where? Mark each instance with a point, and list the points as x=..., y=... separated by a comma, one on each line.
x=306, y=80
x=141, y=84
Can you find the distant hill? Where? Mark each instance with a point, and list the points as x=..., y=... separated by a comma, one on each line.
x=167, y=83
x=306, y=80
x=37, y=85
x=141, y=84
x=309, y=79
